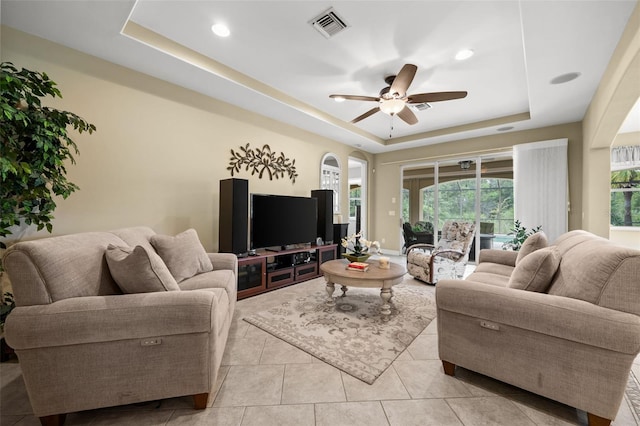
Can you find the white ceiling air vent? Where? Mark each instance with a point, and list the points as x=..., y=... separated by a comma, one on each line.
x=420, y=107
x=328, y=23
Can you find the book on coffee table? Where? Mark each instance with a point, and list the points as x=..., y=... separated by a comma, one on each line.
x=358, y=266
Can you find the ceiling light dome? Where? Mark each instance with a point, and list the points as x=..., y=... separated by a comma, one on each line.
x=391, y=106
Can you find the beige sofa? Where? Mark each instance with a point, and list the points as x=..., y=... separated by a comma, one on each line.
x=572, y=339
x=83, y=344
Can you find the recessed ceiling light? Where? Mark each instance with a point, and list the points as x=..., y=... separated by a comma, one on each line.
x=221, y=30
x=565, y=78
x=338, y=99
x=504, y=129
x=464, y=54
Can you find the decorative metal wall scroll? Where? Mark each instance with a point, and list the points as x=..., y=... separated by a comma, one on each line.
x=261, y=160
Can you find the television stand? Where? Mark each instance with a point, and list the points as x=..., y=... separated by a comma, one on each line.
x=268, y=270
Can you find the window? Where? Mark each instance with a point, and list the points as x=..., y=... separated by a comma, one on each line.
x=625, y=186
x=625, y=197
x=405, y=205
x=457, y=202
x=330, y=178
x=354, y=201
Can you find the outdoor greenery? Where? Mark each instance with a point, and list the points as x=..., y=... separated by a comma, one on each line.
x=35, y=147
x=457, y=201
x=354, y=200
x=405, y=206
x=422, y=226
x=625, y=197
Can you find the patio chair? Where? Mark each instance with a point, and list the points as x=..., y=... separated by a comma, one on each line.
x=412, y=237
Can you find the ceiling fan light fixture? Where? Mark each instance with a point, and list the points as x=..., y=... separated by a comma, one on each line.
x=391, y=106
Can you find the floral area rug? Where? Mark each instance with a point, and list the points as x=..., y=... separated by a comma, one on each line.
x=633, y=396
x=351, y=335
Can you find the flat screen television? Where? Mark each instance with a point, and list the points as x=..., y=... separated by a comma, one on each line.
x=280, y=220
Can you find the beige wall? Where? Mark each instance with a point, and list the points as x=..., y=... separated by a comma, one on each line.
x=160, y=150
x=388, y=175
x=618, y=91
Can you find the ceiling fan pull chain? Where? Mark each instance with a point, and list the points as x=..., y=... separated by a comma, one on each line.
x=390, y=125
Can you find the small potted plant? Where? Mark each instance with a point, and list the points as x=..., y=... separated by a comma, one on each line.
x=520, y=234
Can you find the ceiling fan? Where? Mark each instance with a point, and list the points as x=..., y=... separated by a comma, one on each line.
x=393, y=99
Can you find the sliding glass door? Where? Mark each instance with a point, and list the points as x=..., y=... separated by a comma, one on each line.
x=478, y=189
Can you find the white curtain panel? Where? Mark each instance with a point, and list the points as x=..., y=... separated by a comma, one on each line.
x=541, y=184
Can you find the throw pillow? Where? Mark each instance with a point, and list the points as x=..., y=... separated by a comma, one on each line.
x=535, y=272
x=138, y=270
x=183, y=254
x=532, y=243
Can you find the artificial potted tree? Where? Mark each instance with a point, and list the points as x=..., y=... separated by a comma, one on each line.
x=35, y=148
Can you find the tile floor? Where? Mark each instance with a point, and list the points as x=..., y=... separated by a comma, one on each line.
x=265, y=381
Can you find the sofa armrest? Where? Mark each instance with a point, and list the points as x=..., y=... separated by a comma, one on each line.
x=82, y=320
x=557, y=316
x=224, y=261
x=503, y=257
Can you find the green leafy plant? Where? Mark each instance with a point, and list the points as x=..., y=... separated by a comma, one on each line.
x=423, y=226
x=35, y=146
x=520, y=234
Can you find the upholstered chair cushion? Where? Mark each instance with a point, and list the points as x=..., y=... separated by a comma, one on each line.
x=183, y=254
x=455, y=236
x=532, y=243
x=535, y=271
x=139, y=270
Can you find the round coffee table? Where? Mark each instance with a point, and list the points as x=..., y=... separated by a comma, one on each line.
x=336, y=272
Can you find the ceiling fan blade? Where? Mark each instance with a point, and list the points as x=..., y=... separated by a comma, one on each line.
x=365, y=115
x=435, y=97
x=356, y=98
x=407, y=115
x=403, y=79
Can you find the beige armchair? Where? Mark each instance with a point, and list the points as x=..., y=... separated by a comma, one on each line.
x=447, y=259
x=83, y=344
